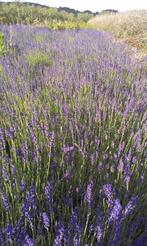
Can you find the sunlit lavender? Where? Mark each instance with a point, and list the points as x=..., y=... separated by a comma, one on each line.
x=73, y=140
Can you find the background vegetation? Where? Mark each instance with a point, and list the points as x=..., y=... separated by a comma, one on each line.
x=35, y=14
x=130, y=27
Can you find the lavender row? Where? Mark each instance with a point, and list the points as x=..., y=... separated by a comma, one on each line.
x=72, y=140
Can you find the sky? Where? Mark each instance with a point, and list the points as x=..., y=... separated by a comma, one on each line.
x=94, y=5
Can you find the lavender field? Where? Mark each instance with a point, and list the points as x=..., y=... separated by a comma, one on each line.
x=73, y=140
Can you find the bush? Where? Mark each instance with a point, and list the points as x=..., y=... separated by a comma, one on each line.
x=59, y=25
x=2, y=44
x=36, y=15
x=39, y=58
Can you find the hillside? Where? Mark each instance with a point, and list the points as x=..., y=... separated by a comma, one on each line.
x=42, y=15
x=37, y=14
x=130, y=27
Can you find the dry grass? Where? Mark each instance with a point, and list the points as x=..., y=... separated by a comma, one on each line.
x=130, y=27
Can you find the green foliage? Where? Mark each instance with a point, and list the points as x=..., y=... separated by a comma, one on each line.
x=39, y=58
x=85, y=17
x=24, y=13
x=2, y=44
x=39, y=38
x=1, y=69
x=59, y=25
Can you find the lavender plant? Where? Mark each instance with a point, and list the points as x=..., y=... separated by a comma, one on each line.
x=72, y=140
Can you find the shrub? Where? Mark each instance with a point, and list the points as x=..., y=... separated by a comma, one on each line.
x=39, y=58
x=59, y=25
x=2, y=44
x=39, y=38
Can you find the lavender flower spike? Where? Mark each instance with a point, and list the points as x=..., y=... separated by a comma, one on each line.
x=109, y=193
x=130, y=206
x=88, y=194
x=5, y=201
x=115, y=213
x=46, y=221
x=28, y=241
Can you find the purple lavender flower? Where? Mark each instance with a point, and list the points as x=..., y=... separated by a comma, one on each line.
x=67, y=149
x=8, y=232
x=28, y=215
x=33, y=197
x=130, y=206
x=23, y=185
x=46, y=221
x=101, y=166
x=66, y=109
x=5, y=173
x=116, y=211
x=109, y=193
x=88, y=194
x=1, y=237
x=28, y=241
x=74, y=217
x=134, y=160
x=117, y=231
x=23, y=152
x=141, y=241
x=138, y=141
x=13, y=170
x=60, y=238
x=46, y=130
x=121, y=147
x=96, y=141
x=1, y=135
x=128, y=156
x=5, y=201
x=21, y=233
x=30, y=205
x=99, y=233
x=9, y=133
x=15, y=231
x=76, y=240
x=136, y=225
x=49, y=188
x=127, y=175
x=121, y=166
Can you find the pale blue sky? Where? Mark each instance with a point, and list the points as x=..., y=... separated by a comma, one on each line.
x=95, y=5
